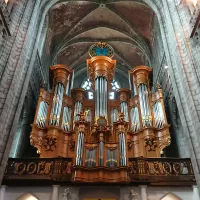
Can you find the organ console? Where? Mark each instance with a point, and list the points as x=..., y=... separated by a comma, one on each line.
x=100, y=134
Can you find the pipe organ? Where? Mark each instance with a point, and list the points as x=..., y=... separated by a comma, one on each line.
x=100, y=134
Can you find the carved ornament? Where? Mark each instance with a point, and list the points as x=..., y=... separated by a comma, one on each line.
x=150, y=144
x=50, y=143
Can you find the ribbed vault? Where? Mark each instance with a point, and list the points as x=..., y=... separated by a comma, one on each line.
x=75, y=25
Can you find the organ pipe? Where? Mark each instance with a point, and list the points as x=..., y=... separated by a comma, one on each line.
x=135, y=121
x=66, y=119
x=122, y=148
x=90, y=158
x=101, y=153
x=101, y=96
x=158, y=114
x=42, y=114
x=77, y=110
x=79, y=149
x=124, y=109
x=114, y=114
x=57, y=105
x=144, y=105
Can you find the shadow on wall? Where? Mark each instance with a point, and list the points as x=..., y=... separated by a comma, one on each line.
x=27, y=196
x=170, y=196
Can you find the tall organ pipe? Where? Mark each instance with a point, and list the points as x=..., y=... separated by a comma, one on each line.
x=144, y=105
x=158, y=115
x=57, y=104
x=135, y=120
x=79, y=150
x=77, y=110
x=101, y=96
x=42, y=114
x=122, y=148
x=101, y=153
x=114, y=114
x=66, y=119
x=124, y=109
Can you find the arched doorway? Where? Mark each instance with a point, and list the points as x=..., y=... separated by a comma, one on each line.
x=170, y=196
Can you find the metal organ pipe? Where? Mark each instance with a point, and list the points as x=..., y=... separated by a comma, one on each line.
x=57, y=104
x=158, y=114
x=101, y=96
x=79, y=150
x=124, y=109
x=101, y=152
x=144, y=105
x=66, y=119
x=135, y=119
x=122, y=149
x=77, y=110
x=42, y=114
x=114, y=114
x=67, y=87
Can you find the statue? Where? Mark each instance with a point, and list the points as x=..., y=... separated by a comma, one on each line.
x=65, y=194
x=133, y=195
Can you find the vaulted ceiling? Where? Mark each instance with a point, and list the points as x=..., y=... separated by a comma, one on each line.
x=125, y=25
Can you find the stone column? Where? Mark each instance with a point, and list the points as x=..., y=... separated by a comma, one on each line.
x=195, y=193
x=55, y=192
x=2, y=192
x=143, y=189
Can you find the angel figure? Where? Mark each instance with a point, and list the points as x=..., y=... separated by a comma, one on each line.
x=133, y=195
x=66, y=193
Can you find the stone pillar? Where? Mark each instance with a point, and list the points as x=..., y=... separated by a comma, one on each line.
x=195, y=193
x=55, y=192
x=2, y=192
x=143, y=189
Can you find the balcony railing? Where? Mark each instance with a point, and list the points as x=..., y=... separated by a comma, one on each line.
x=39, y=169
x=165, y=171
x=151, y=171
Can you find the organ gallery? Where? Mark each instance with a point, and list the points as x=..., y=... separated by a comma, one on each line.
x=100, y=134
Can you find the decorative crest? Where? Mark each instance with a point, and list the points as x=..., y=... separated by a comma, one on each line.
x=101, y=49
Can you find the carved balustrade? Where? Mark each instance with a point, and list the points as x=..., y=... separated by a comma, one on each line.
x=161, y=171
x=150, y=171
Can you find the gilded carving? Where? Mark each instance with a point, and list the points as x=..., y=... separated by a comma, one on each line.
x=36, y=141
x=44, y=167
x=19, y=168
x=31, y=168
x=150, y=144
x=164, y=142
x=50, y=143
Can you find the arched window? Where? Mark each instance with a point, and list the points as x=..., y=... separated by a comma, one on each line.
x=170, y=196
x=27, y=196
x=114, y=87
x=87, y=85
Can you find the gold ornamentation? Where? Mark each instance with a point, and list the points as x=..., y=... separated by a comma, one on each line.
x=164, y=142
x=44, y=167
x=150, y=144
x=36, y=141
x=50, y=143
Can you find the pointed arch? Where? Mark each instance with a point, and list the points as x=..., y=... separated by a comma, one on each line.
x=170, y=196
x=27, y=196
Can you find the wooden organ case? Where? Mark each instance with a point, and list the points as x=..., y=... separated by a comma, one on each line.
x=100, y=134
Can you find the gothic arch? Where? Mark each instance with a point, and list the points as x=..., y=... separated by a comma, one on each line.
x=170, y=196
x=27, y=196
